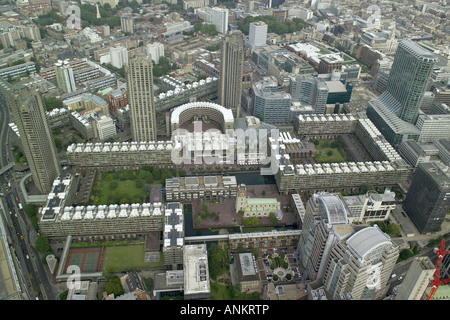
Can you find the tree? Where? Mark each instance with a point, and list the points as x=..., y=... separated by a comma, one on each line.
x=139, y=183
x=30, y=209
x=114, y=197
x=58, y=143
x=146, y=189
x=273, y=217
x=113, y=185
x=109, y=176
x=43, y=245
x=53, y=103
x=113, y=286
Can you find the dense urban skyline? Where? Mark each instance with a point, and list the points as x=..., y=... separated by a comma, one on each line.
x=224, y=150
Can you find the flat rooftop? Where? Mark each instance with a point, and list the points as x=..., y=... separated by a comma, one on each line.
x=196, y=280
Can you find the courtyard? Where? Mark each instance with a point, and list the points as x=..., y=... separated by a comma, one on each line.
x=222, y=212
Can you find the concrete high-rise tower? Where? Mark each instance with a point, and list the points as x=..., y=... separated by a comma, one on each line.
x=65, y=77
x=219, y=17
x=141, y=98
x=119, y=56
x=231, y=70
x=37, y=140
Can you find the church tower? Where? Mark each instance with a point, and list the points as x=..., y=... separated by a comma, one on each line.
x=241, y=198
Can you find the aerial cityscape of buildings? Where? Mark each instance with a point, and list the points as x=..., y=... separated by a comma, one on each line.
x=225, y=150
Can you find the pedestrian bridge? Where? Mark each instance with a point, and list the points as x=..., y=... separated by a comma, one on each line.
x=206, y=238
x=6, y=168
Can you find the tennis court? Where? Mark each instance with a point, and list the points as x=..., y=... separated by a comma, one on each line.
x=89, y=260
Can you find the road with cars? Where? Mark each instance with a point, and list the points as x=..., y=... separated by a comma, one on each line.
x=21, y=237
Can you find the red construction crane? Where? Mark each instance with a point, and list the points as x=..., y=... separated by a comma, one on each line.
x=436, y=281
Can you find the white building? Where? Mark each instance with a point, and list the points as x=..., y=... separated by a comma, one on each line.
x=195, y=266
x=106, y=127
x=257, y=34
x=361, y=265
x=177, y=26
x=156, y=50
x=92, y=35
x=119, y=56
x=300, y=12
x=433, y=127
x=194, y=4
x=219, y=18
x=370, y=207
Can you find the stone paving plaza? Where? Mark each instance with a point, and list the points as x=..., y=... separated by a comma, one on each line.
x=226, y=209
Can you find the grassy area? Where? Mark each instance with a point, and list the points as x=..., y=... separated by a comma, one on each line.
x=330, y=151
x=220, y=292
x=127, y=258
x=124, y=188
x=129, y=186
x=229, y=292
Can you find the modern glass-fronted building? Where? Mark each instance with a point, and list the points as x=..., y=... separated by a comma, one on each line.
x=409, y=77
x=396, y=111
x=428, y=198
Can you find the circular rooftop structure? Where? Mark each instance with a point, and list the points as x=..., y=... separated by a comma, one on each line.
x=201, y=110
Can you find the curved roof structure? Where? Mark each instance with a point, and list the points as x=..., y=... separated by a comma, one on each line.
x=368, y=243
x=332, y=209
x=227, y=114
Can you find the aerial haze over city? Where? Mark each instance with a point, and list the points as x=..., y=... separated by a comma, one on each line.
x=227, y=150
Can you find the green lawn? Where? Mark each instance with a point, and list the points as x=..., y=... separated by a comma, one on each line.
x=220, y=292
x=129, y=186
x=125, y=187
x=327, y=154
x=225, y=292
x=127, y=258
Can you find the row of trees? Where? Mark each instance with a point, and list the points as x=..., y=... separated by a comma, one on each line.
x=164, y=66
x=219, y=260
x=53, y=103
x=273, y=25
x=49, y=18
x=205, y=28
x=108, y=15
x=150, y=175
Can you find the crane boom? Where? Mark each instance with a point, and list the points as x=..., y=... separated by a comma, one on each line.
x=436, y=281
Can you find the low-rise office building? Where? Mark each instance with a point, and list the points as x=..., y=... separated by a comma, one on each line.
x=247, y=274
x=201, y=187
x=196, y=272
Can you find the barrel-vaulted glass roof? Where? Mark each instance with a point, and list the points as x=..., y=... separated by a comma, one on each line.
x=332, y=209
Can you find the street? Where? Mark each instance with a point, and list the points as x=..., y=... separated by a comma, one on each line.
x=21, y=233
